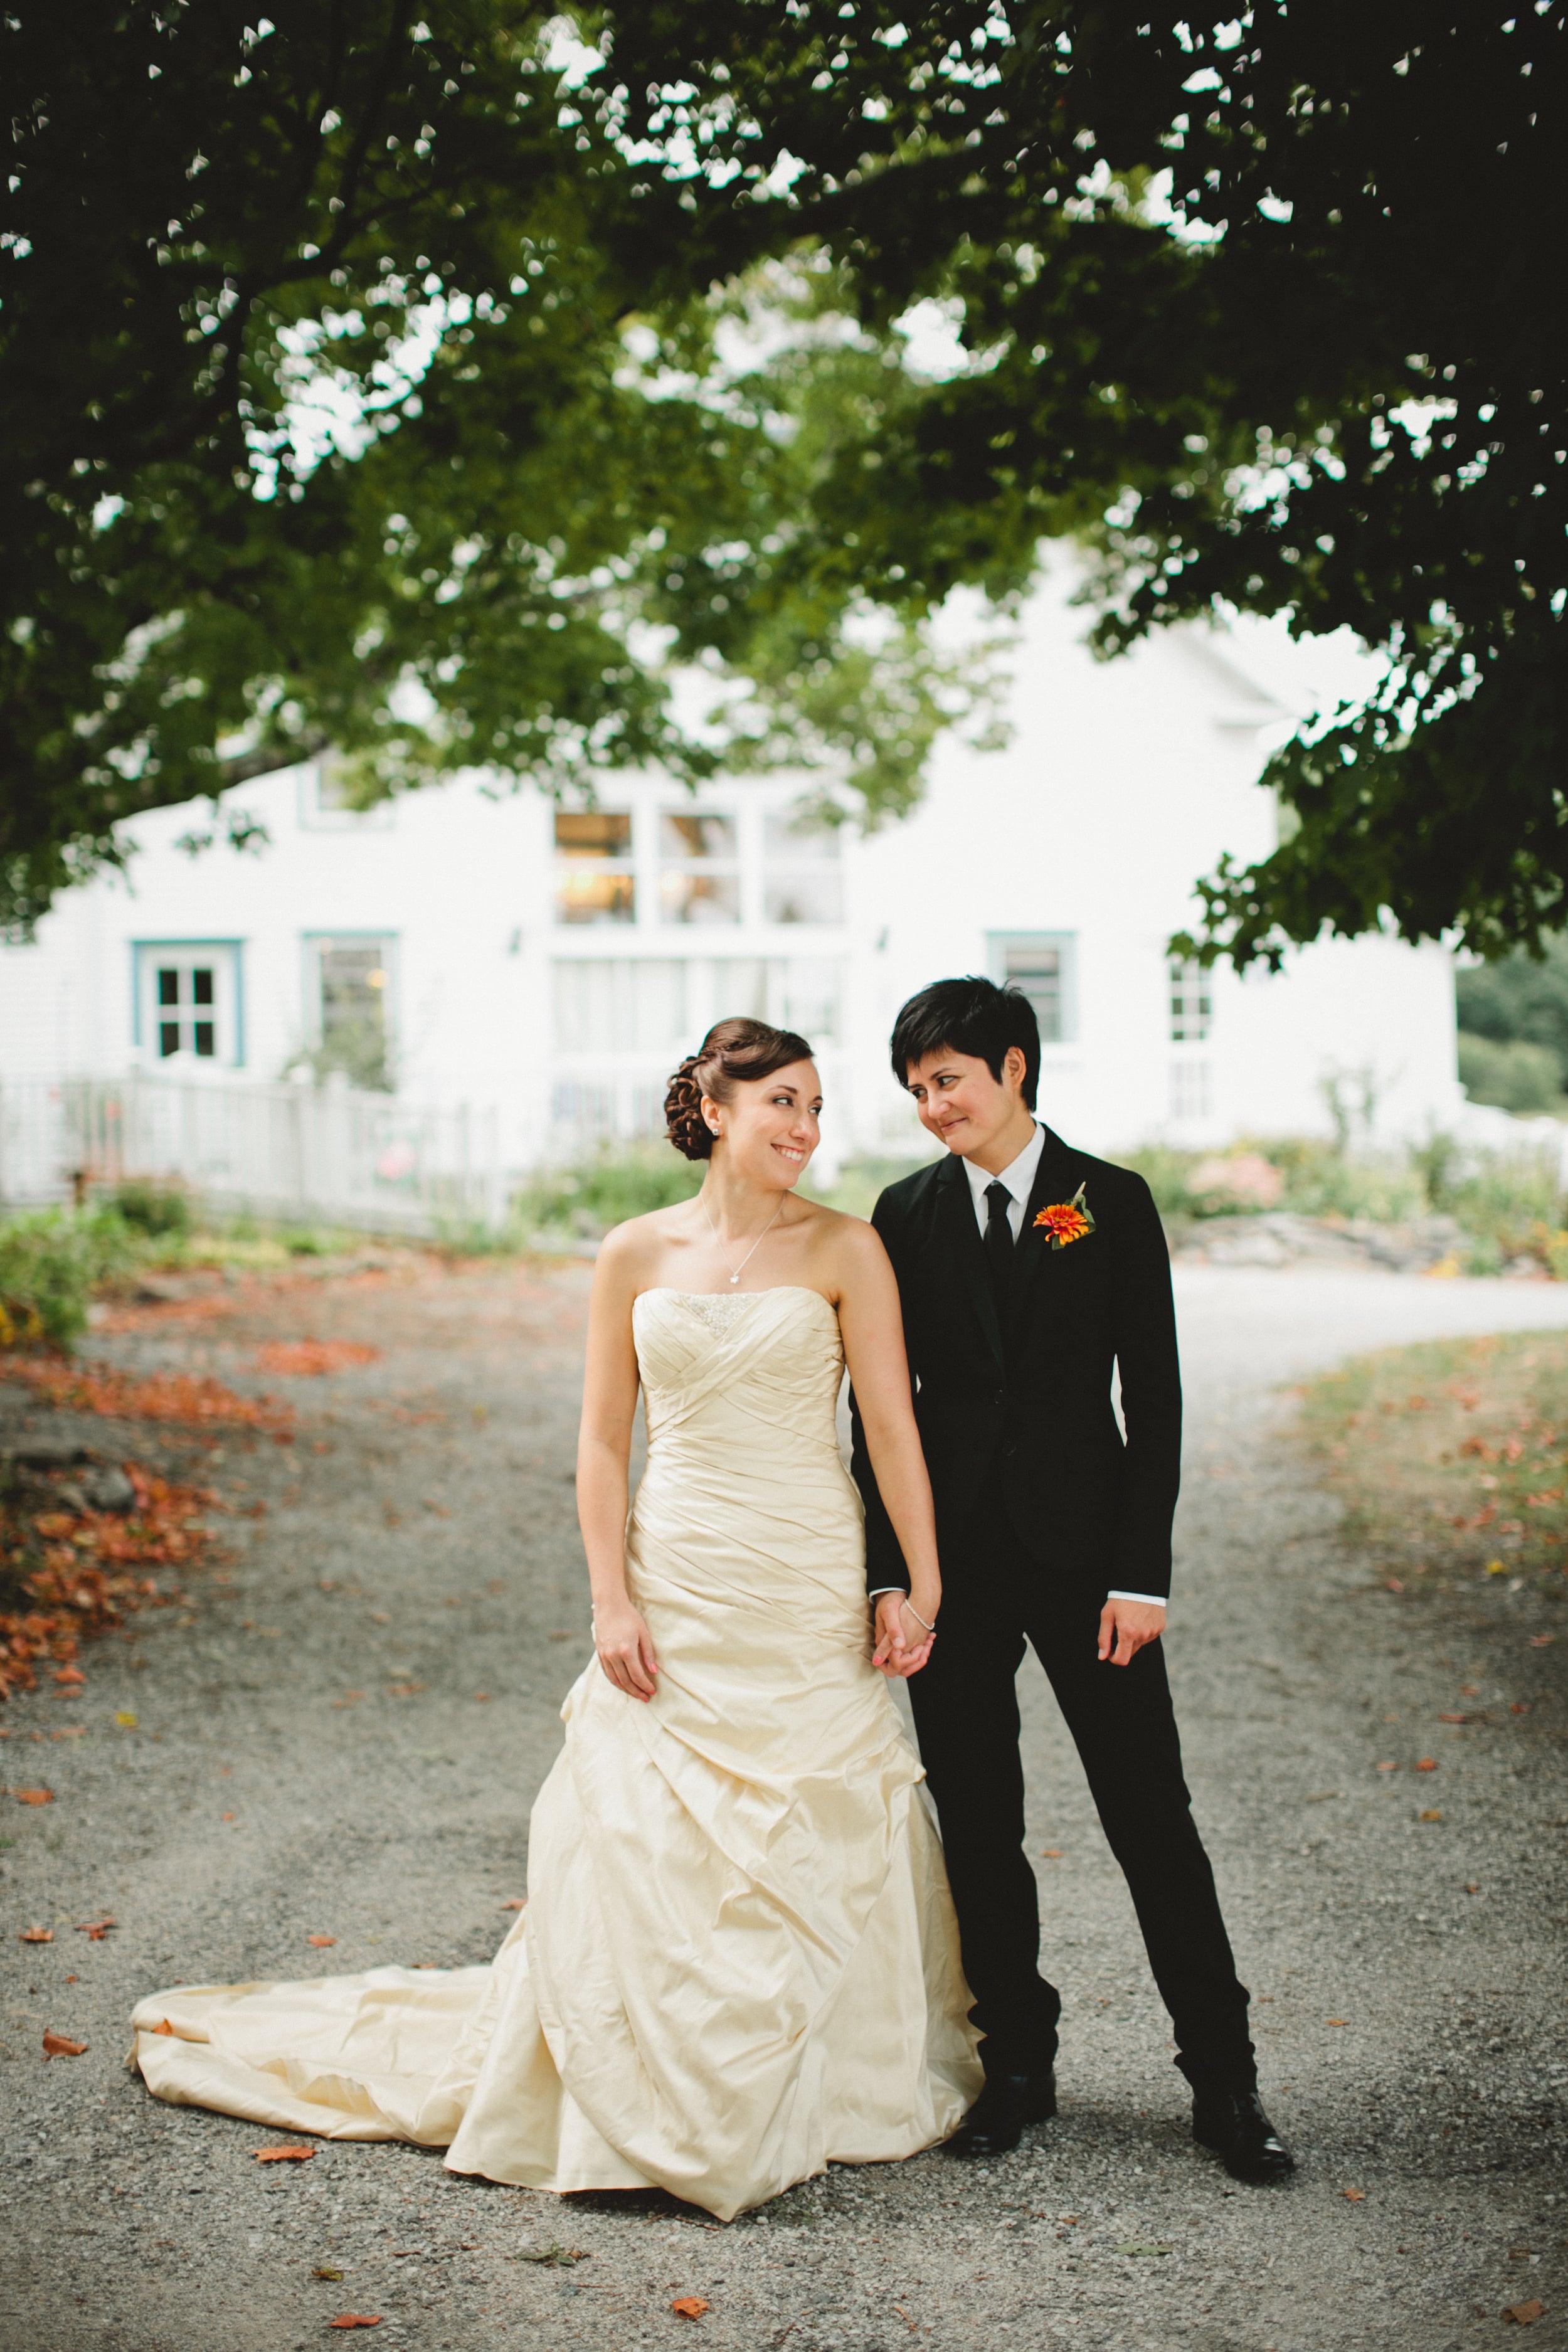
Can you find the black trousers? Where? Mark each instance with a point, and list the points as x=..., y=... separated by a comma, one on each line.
x=966, y=1712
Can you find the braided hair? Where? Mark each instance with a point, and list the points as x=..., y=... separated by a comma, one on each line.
x=732, y=1052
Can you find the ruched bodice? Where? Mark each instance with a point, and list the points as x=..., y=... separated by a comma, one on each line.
x=739, y=1960
x=741, y=1394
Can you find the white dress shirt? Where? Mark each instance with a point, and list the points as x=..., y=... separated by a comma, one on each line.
x=1018, y=1176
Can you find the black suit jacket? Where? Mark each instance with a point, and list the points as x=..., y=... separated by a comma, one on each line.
x=1015, y=1408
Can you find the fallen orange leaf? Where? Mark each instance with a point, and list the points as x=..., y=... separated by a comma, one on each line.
x=1356, y=2196
x=163, y=2026
x=356, y=2319
x=1336, y=2021
x=284, y=2155
x=518, y=1903
x=1453, y=1718
x=1050, y=1853
x=95, y=1931
x=307, y=1358
x=1432, y=1815
x=321, y=1942
x=691, y=2307
x=56, y=2045
x=1427, y=1764
x=189, y=1397
x=34, y=1796
x=227, y=1817
x=36, y=1936
x=1523, y=2312
x=69, y=1675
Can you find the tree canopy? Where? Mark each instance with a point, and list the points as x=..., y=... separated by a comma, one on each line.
x=352, y=395
x=1260, y=308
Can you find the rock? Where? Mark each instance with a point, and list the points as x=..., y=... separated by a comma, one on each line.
x=35, y=1476
x=46, y=1453
x=1247, y=1242
x=107, y=1488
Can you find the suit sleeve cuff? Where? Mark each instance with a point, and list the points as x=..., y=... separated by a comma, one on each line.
x=1153, y=1600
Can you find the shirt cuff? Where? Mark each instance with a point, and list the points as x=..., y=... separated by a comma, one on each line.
x=1153, y=1600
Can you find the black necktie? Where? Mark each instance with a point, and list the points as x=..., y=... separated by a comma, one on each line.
x=999, y=1238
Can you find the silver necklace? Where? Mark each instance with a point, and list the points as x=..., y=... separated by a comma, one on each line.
x=756, y=1246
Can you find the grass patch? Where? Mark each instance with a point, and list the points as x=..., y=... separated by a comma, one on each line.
x=1452, y=1456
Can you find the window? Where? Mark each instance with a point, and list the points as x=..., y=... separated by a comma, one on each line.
x=620, y=1005
x=1191, y=1003
x=802, y=881
x=800, y=993
x=1191, y=1095
x=589, y=1110
x=327, y=802
x=593, y=878
x=1042, y=965
x=187, y=1001
x=350, y=979
x=698, y=880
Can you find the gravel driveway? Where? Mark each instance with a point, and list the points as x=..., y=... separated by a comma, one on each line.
x=420, y=1549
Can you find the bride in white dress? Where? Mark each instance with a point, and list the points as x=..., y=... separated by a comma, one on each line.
x=739, y=1960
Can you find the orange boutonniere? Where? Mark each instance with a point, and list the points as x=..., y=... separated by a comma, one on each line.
x=1067, y=1221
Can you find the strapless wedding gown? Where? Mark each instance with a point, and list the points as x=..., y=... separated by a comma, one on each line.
x=739, y=1960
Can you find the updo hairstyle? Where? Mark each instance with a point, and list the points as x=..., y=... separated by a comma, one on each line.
x=734, y=1052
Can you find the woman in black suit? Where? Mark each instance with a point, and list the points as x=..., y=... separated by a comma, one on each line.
x=1029, y=1270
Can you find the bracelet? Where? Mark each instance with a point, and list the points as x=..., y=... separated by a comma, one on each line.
x=905, y=1603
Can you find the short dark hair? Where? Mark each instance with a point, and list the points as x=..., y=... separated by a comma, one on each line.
x=968, y=1016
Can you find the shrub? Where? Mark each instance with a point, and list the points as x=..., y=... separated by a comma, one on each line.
x=859, y=1181
x=1515, y=1076
x=1166, y=1173
x=161, y=1211
x=1519, y=998
x=51, y=1261
x=1323, y=1182
x=620, y=1180
x=1512, y=1204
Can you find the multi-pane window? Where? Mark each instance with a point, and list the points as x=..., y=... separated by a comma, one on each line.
x=800, y=993
x=620, y=1004
x=187, y=1001
x=595, y=882
x=699, y=874
x=1191, y=1092
x=354, y=1009
x=188, y=1008
x=328, y=803
x=1040, y=966
x=1191, y=1003
x=802, y=880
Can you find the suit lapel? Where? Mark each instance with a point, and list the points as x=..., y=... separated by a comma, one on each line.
x=1054, y=1180
x=960, y=1233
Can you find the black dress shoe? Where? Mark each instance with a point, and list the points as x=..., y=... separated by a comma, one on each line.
x=1003, y=2113
x=1234, y=2125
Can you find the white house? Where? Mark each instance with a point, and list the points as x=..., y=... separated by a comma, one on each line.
x=472, y=946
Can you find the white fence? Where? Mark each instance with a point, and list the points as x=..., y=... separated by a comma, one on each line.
x=284, y=1152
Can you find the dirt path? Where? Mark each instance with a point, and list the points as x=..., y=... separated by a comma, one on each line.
x=420, y=1549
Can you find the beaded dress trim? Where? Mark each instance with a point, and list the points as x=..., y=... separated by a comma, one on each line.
x=720, y=1310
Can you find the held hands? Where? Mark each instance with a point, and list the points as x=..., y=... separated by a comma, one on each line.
x=626, y=1649
x=903, y=1644
x=1125, y=1626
